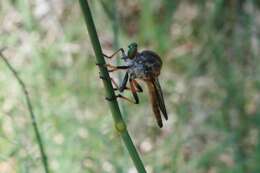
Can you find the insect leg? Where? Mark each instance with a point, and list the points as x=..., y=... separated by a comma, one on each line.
x=111, y=56
x=136, y=99
x=139, y=88
x=122, y=97
x=124, y=82
x=116, y=85
x=114, y=82
x=134, y=91
x=127, y=99
x=115, y=68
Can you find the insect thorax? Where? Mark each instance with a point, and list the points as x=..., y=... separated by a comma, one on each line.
x=144, y=67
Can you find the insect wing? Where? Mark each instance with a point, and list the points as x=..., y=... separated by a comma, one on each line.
x=160, y=98
x=154, y=102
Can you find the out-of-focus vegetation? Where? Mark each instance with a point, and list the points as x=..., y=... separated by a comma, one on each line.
x=210, y=77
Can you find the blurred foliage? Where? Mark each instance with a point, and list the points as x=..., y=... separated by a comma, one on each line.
x=211, y=81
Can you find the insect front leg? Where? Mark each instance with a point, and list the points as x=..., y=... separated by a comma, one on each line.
x=113, y=55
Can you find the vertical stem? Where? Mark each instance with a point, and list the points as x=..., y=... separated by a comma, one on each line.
x=119, y=122
x=30, y=108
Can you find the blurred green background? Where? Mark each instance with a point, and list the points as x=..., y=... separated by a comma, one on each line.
x=210, y=78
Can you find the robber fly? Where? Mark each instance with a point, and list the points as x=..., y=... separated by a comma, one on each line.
x=146, y=66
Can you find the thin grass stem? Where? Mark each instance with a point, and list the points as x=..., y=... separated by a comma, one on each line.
x=113, y=104
x=44, y=157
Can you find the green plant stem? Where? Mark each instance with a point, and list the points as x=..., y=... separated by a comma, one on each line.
x=110, y=9
x=32, y=115
x=119, y=122
x=112, y=14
